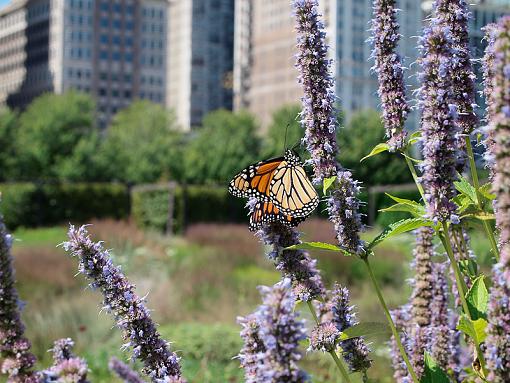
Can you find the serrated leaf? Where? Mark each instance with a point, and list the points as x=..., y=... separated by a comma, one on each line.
x=478, y=298
x=365, y=329
x=379, y=148
x=327, y=184
x=468, y=267
x=318, y=246
x=486, y=191
x=400, y=227
x=407, y=205
x=400, y=207
x=474, y=329
x=432, y=372
x=464, y=204
x=464, y=187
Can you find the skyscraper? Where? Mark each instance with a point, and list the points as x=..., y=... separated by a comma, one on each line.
x=112, y=49
x=201, y=44
x=265, y=77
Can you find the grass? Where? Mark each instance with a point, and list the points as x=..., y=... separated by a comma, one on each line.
x=198, y=284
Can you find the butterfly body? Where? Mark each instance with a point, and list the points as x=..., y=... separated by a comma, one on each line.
x=281, y=187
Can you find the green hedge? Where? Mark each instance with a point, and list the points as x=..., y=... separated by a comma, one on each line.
x=192, y=204
x=28, y=204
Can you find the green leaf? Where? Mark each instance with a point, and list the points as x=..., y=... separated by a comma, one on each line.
x=379, y=148
x=415, y=137
x=464, y=187
x=464, y=203
x=327, y=184
x=486, y=191
x=400, y=207
x=407, y=205
x=474, y=329
x=400, y=227
x=478, y=298
x=318, y=246
x=469, y=268
x=365, y=329
x=432, y=372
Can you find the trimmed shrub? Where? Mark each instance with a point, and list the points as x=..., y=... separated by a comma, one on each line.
x=28, y=204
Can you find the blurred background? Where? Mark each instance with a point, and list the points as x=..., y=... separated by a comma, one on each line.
x=133, y=115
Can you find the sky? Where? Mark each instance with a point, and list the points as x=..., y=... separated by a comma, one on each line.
x=4, y=2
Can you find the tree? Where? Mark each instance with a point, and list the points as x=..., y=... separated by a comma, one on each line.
x=49, y=131
x=143, y=144
x=8, y=124
x=225, y=144
x=364, y=131
x=285, y=121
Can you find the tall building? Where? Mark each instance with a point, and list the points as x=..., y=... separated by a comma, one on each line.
x=265, y=77
x=201, y=45
x=112, y=49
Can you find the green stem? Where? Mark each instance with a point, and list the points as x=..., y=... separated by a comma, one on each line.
x=333, y=354
x=412, y=169
x=476, y=184
x=394, y=330
x=461, y=286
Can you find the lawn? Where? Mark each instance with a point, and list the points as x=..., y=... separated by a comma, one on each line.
x=197, y=284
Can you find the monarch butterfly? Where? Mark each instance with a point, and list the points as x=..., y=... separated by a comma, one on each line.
x=266, y=212
x=281, y=181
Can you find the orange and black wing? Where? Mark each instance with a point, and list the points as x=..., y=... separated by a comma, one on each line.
x=267, y=212
x=255, y=180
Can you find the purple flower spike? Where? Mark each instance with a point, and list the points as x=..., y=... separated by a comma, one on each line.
x=454, y=16
x=498, y=331
x=324, y=336
x=355, y=351
x=18, y=361
x=123, y=371
x=423, y=282
x=271, y=338
x=293, y=264
x=62, y=349
x=319, y=118
x=438, y=126
x=401, y=318
x=130, y=313
x=389, y=71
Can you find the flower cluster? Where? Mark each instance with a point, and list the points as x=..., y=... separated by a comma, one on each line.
x=131, y=315
x=14, y=347
x=324, y=336
x=271, y=338
x=319, y=118
x=355, y=351
x=498, y=338
x=438, y=125
x=401, y=319
x=454, y=15
x=67, y=368
x=124, y=372
x=293, y=264
x=388, y=66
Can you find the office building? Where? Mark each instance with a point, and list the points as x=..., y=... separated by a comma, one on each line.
x=201, y=58
x=113, y=49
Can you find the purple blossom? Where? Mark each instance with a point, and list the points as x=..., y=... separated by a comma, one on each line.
x=491, y=31
x=123, y=371
x=67, y=368
x=18, y=361
x=354, y=351
x=498, y=331
x=389, y=71
x=454, y=15
x=293, y=264
x=401, y=318
x=130, y=313
x=439, y=130
x=324, y=336
x=271, y=338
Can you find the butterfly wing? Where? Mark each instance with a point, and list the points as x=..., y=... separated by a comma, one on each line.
x=292, y=192
x=267, y=212
x=255, y=180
